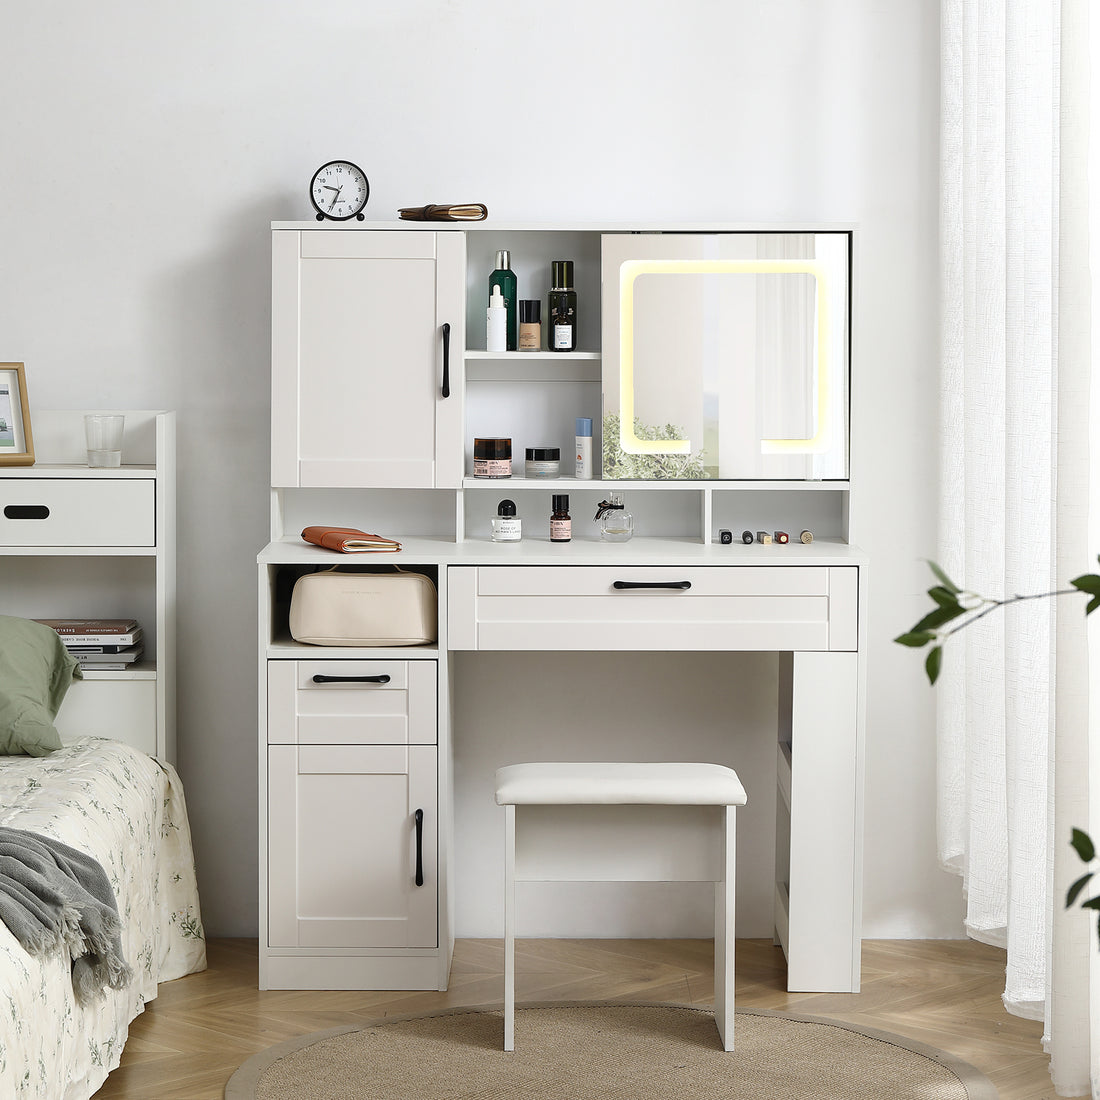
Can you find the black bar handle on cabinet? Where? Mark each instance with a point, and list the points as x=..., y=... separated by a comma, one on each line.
x=683, y=586
x=319, y=679
x=446, y=391
x=26, y=511
x=419, y=818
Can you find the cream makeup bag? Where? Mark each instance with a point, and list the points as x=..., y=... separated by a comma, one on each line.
x=368, y=609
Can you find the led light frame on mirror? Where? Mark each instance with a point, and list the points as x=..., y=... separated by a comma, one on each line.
x=631, y=270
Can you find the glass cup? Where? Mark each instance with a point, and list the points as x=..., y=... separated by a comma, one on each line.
x=103, y=435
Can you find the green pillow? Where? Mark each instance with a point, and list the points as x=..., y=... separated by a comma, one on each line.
x=35, y=673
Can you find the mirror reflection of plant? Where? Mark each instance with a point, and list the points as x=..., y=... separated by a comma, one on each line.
x=955, y=609
x=618, y=465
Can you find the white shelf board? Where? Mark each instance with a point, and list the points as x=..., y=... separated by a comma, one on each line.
x=286, y=648
x=599, y=484
x=569, y=227
x=641, y=550
x=527, y=356
x=78, y=551
x=44, y=469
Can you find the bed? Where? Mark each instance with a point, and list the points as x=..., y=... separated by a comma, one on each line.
x=127, y=811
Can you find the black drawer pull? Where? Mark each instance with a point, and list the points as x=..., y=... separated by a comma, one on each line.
x=682, y=586
x=445, y=389
x=319, y=679
x=418, y=817
x=26, y=511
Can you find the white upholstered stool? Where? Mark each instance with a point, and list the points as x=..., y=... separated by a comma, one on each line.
x=622, y=823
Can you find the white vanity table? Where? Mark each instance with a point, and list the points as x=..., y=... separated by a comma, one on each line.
x=374, y=411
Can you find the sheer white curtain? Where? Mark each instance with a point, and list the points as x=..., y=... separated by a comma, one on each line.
x=1019, y=698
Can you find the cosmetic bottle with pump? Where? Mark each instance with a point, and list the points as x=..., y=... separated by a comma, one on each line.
x=496, y=322
x=505, y=278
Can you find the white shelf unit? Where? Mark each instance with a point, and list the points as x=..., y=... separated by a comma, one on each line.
x=105, y=549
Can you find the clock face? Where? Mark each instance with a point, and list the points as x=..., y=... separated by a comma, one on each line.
x=339, y=190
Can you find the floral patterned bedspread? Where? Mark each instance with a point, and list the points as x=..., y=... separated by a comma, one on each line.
x=128, y=811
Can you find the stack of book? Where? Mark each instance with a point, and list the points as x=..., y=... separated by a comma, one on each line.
x=107, y=644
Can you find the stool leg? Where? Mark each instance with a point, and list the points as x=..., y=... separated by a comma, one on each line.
x=724, y=895
x=509, y=927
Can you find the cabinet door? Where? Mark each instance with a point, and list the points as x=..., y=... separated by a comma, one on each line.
x=343, y=846
x=725, y=355
x=366, y=328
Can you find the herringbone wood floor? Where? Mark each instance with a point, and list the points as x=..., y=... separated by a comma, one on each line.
x=942, y=992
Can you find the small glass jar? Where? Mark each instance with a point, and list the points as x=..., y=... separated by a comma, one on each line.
x=492, y=458
x=616, y=524
x=542, y=462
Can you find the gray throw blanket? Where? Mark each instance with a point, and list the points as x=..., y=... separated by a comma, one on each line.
x=53, y=897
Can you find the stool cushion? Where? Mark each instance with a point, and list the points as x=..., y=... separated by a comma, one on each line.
x=623, y=784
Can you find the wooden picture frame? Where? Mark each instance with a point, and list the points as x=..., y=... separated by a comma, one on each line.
x=16, y=441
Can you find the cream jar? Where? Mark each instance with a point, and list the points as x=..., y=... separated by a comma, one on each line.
x=542, y=462
x=492, y=458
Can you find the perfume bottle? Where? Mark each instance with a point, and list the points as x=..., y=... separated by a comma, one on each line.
x=506, y=525
x=505, y=278
x=562, y=308
x=616, y=524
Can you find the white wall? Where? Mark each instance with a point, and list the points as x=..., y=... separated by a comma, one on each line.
x=145, y=148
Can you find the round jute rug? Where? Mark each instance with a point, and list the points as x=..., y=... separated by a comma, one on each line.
x=597, y=1051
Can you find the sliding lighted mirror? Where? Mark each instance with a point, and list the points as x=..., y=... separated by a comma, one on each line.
x=725, y=355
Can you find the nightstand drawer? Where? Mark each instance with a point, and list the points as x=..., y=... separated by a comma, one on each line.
x=637, y=608
x=77, y=512
x=351, y=702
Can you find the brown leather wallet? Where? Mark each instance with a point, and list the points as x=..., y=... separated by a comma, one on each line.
x=348, y=540
x=456, y=212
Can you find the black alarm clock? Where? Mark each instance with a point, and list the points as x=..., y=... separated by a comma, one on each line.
x=339, y=190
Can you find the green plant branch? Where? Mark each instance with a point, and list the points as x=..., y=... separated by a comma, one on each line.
x=947, y=598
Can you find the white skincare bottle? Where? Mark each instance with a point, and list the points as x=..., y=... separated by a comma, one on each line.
x=584, y=448
x=496, y=323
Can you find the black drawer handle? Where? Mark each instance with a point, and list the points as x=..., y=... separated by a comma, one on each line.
x=26, y=511
x=418, y=817
x=445, y=389
x=319, y=679
x=682, y=586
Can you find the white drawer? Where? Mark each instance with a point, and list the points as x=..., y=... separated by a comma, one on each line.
x=663, y=608
x=351, y=702
x=77, y=511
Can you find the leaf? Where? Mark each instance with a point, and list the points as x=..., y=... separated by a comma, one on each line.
x=943, y=578
x=1087, y=582
x=1076, y=889
x=943, y=596
x=1093, y=604
x=1083, y=846
x=1092, y=903
x=915, y=638
x=933, y=662
x=937, y=617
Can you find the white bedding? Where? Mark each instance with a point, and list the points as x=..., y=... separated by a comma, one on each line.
x=127, y=810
